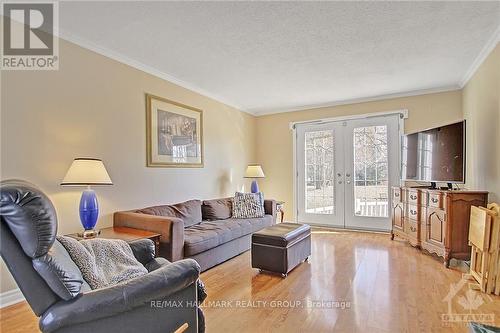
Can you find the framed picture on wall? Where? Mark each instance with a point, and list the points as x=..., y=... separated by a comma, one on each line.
x=174, y=134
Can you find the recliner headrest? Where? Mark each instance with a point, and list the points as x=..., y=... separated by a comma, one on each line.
x=30, y=215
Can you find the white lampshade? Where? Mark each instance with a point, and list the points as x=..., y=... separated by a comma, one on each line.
x=87, y=171
x=254, y=171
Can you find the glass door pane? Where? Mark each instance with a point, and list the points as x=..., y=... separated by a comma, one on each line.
x=372, y=164
x=320, y=170
x=371, y=190
x=320, y=186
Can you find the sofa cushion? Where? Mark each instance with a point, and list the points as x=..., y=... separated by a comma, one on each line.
x=209, y=234
x=189, y=211
x=217, y=209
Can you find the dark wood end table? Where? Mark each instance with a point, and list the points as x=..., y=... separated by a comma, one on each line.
x=126, y=234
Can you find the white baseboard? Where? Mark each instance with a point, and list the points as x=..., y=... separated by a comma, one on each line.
x=11, y=297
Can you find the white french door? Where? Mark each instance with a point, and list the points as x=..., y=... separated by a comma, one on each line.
x=320, y=200
x=345, y=170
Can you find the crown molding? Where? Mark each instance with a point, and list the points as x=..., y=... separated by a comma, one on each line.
x=143, y=67
x=357, y=100
x=485, y=51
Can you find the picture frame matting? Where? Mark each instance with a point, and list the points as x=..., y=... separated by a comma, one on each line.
x=174, y=134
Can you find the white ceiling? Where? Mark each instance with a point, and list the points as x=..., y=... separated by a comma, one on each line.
x=264, y=57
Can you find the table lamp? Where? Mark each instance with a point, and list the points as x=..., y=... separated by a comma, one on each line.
x=87, y=172
x=254, y=171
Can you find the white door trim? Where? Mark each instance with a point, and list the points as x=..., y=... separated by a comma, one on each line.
x=293, y=127
x=402, y=112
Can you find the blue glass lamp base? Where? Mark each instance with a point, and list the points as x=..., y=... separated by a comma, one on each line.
x=255, y=187
x=89, y=209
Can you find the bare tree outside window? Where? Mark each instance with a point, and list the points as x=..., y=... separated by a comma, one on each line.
x=371, y=187
x=319, y=172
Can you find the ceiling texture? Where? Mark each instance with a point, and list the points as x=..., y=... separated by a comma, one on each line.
x=266, y=57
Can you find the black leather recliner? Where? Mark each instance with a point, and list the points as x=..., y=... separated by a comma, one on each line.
x=160, y=301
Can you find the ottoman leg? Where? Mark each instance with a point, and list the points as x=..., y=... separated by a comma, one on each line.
x=284, y=275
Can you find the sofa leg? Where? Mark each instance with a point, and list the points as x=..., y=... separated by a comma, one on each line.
x=308, y=259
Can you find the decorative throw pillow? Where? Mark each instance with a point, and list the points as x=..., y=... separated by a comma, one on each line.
x=248, y=205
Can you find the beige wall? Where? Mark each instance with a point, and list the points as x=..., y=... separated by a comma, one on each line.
x=481, y=106
x=94, y=106
x=275, y=144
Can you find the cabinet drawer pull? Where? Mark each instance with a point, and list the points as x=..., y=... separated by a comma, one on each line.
x=413, y=212
x=413, y=197
x=396, y=194
x=434, y=200
x=413, y=229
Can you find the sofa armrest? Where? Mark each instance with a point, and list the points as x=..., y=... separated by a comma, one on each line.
x=123, y=297
x=270, y=208
x=170, y=228
x=143, y=249
x=156, y=263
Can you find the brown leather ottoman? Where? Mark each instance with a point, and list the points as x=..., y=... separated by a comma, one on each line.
x=281, y=247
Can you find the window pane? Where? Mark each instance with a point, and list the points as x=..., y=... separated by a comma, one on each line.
x=319, y=151
x=371, y=189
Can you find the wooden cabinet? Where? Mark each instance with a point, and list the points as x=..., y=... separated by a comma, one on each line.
x=413, y=196
x=435, y=226
x=435, y=199
x=406, y=215
x=396, y=194
x=435, y=220
x=412, y=232
x=398, y=209
x=397, y=215
x=413, y=212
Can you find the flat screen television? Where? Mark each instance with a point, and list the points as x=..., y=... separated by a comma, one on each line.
x=435, y=155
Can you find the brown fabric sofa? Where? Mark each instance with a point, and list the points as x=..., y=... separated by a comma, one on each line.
x=201, y=230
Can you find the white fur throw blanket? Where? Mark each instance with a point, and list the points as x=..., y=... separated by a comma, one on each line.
x=103, y=262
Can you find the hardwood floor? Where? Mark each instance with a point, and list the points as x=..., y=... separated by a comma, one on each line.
x=387, y=286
